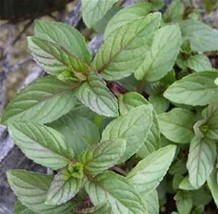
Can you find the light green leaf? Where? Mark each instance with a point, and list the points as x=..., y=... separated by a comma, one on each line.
x=124, y=50
x=213, y=185
x=63, y=187
x=185, y=184
x=148, y=173
x=42, y=144
x=42, y=101
x=117, y=191
x=128, y=102
x=184, y=202
x=127, y=15
x=199, y=63
x=64, y=35
x=194, y=89
x=79, y=132
x=31, y=189
x=201, y=160
x=201, y=37
x=102, y=156
x=132, y=127
x=177, y=125
x=174, y=12
x=151, y=201
x=93, y=11
x=94, y=94
x=54, y=59
x=99, y=209
x=216, y=81
x=21, y=209
x=167, y=41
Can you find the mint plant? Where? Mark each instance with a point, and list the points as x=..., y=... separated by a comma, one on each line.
x=112, y=150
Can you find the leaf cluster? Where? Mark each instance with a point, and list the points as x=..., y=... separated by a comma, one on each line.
x=110, y=151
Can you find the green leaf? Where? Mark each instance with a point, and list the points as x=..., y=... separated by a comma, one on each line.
x=167, y=41
x=201, y=197
x=210, y=118
x=117, y=191
x=93, y=11
x=184, y=202
x=159, y=102
x=201, y=37
x=174, y=12
x=63, y=187
x=102, y=156
x=148, y=173
x=79, y=132
x=94, y=94
x=216, y=81
x=194, y=89
x=213, y=185
x=132, y=127
x=185, y=184
x=41, y=144
x=31, y=189
x=127, y=15
x=99, y=209
x=151, y=201
x=21, y=209
x=129, y=101
x=44, y=100
x=64, y=35
x=177, y=125
x=201, y=159
x=124, y=50
x=199, y=63
x=54, y=59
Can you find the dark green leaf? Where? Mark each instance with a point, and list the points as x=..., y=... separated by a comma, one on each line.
x=31, y=189
x=194, y=89
x=209, y=5
x=42, y=144
x=174, y=12
x=21, y=209
x=43, y=101
x=184, y=202
x=79, y=132
x=102, y=156
x=117, y=191
x=94, y=94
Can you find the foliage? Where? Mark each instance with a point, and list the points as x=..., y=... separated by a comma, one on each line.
x=116, y=152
